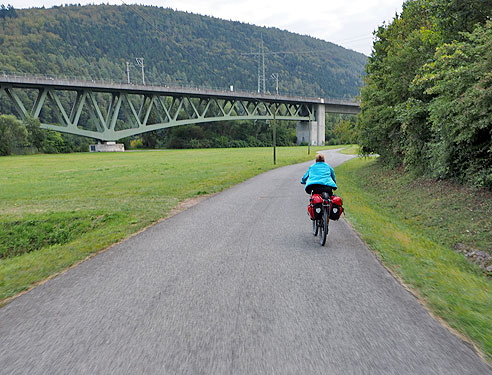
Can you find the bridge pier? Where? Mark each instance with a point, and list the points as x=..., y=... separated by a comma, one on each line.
x=313, y=131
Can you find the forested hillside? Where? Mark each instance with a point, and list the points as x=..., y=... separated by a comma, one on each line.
x=427, y=102
x=96, y=41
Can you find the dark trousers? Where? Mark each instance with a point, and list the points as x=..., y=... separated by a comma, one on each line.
x=319, y=189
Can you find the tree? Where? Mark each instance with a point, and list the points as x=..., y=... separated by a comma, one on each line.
x=426, y=99
x=401, y=48
x=459, y=83
x=7, y=12
x=13, y=134
x=35, y=135
x=345, y=132
x=453, y=17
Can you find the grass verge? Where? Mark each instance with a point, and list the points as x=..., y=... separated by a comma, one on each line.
x=56, y=210
x=350, y=150
x=413, y=225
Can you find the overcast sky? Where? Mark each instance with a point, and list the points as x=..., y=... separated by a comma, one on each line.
x=346, y=23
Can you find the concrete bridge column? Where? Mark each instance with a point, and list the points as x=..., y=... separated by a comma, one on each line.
x=316, y=128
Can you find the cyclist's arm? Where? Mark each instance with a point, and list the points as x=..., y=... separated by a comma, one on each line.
x=333, y=176
x=305, y=177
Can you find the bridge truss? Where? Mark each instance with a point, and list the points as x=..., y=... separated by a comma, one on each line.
x=108, y=111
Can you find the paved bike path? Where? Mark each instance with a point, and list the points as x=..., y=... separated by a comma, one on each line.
x=234, y=285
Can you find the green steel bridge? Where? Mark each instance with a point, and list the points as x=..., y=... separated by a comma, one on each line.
x=108, y=111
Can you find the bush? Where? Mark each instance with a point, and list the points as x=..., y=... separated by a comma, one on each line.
x=13, y=134
x=136, y=143
x=237, y=143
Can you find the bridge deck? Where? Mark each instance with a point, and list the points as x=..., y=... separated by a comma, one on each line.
x=37, y=82
x=153, y=107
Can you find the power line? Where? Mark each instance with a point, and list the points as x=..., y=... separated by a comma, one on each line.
x=283, y=52
x=314, y=52
x=261, y=53
x=355, y=39
x=154, y=26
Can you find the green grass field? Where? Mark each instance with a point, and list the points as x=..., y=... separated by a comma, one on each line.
x=55, y=210
x=413, y=225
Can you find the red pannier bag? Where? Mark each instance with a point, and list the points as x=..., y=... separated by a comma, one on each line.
x=336, y=207
x=315, y=207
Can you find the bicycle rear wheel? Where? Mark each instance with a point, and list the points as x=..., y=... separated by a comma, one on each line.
x=315, y=228
x=323, y=228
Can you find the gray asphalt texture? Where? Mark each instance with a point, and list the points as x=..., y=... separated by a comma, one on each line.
x=235, y=285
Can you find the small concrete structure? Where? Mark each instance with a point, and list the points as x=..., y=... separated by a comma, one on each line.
x=107, y=147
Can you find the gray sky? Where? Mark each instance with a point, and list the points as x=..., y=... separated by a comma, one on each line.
x=346, y=23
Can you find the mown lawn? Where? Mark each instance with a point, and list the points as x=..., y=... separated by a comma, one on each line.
x=414, y=226
x=55, y=210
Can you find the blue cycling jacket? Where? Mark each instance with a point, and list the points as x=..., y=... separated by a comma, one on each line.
x=320, y=173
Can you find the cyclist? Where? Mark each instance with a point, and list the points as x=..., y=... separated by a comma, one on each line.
x=320, y=177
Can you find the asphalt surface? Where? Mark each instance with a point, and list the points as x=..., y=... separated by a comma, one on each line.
x=235, y=285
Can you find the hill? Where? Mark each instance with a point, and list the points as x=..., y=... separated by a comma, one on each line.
x=178, y=48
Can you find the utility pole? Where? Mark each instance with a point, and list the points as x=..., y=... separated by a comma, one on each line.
x=261, y=69
x=274, y=129
x=263, y=64
x=140, y=63
x=275, y=77
x=128, y=71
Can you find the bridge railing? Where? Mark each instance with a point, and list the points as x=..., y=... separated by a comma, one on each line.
x=74, y=80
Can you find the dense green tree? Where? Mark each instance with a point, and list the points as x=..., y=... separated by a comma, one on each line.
x=453, y=17
x=340, y=129
x=345, y=132
x=7, y=11
x=459, y=81
x=426, y=99
x=13, y=134
x=36, y=136
x=401, y=48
